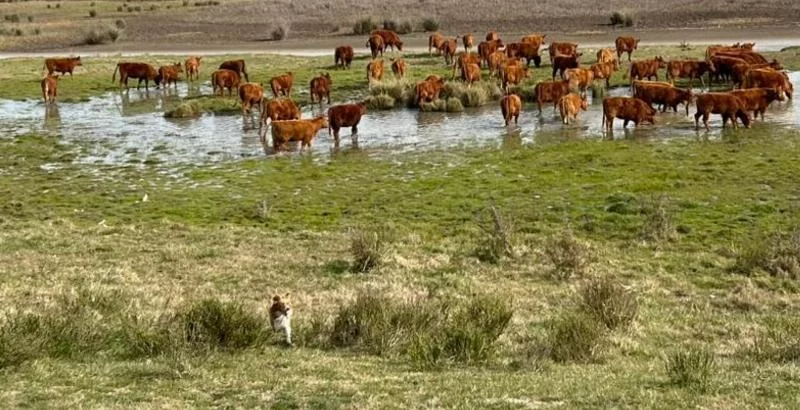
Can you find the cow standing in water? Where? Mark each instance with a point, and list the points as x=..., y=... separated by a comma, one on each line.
x=49, y=89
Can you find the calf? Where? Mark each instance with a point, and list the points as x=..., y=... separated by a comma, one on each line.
x=282, y=85
x=428, y=90
x=510, y=106
x=723, y=66
x=626, y=45
x=646, y=68
x=251, y=94
x=49, y=89
x=224, y=78
x=690, y=69
x=302, y=131
x=604, y=71
x=468, y=42
x=513, y=74
x=320, y=87
x=140, y=71
x=435, y=41
x=448, y=49
x=725, y=104
x=61, y=65
x=374, y=71
x=550, y=91
x=345, y=115
x=758, y=99
x=627, y=109
x=562, y=63
x=236, y=65
x=279, y=109
x=169, y=74
x=663, y=94
x=399, y=67
x=343, y=56
x=535, y=39
x=580, y=78
x=375, y=45
x=570, y=105
x=530, y=52
x=192, y=67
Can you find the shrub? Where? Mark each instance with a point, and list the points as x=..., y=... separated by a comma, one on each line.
x=281, y=32
x=92, y=13
x=479, y=94
x=213, y=324
x=91, y=4
x=380, y=102
x=610, y=303
x=400, y=91
x=37, y=31
x=438, y=105
x=30, y=19
x=693, y=368
x=153, y=7
x=628, y=21
x=777, y=254
x=13, y=18
x=120, y=24
x=657, y=225
x=368, y=248
x=364, y=26
x=58, y=5
x=138, y=8
x=568, y=256
x=430, y=25
x=18, y=32
x=390, y=25
x=101, y=36
x=617, y=18
x=185, y=3
x=119, y=8
x=48, y=6
x=575, y=337
x=405, y=28
x=498, y=238
x=454, y=105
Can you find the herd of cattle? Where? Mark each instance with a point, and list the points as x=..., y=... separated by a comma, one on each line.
x=756, y=82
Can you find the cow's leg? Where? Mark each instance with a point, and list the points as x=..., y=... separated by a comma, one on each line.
x=705, y=120
x=697, y=120
x=625, y=123
x=329, y=97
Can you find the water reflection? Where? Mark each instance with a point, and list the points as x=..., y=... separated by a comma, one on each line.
x=52, y=117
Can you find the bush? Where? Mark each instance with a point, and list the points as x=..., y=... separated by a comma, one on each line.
x=498, y=238
x=657, y=225
x=777, y=254
x=91, y=4
x=101, y=36
x=438, y=105
x=617, y=18
x=18, y=32
x=37, y=31
x=92, y=13
x=119, y=8
x=153, y=7
x=214, y=324
x=479, y=94
x=48, y=6
x=186, y=109
x=568, y=256
x=575, y=337
x=13, y=18
x=58, y=5
x=120, y=24
x=401, y=92
x=610, y=303
x=364, y=26
x=430, y=25
x=368, y=248
x=30, y=19
x=390, y=25
x=137, y=8
x=628, y=21
x=281, y=32
x=454, y=105
x=405, y=28
x=693, y=368
x=380, y=102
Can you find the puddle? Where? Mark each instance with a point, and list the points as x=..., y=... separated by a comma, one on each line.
x=129, y=128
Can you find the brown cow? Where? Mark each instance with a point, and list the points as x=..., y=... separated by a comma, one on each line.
x=140, y=71
x=224, y=78
x=604, y=71
x=580, y=78
x=390, y=39
x=428, y=90
x=345, y=115
x=512, y=49
x=496, y=62
x=690, y=69
x=562, y=49
x=320, y=87
x=464, y=59
x=758, y=99
x=251, y=94
x=236, y=65
x=470, y=73
x=486, y=48
x=510, y=106
x=712, y=50
x=376, y=45
x=767, y=78
x=570, y=105
x=448, y=48
x=343, y=56
x=374, y=71
x=192, y=67
x=492, y=36
x=550, y=91
x=725, y=104
x=646, y=68
x=739, y=70
x=530, y=52
x=537, y=39
x=749, y=57
x=468, y=42
x=399, y=67
x=49, y=89
x=61, y=65
x=169, y=74
x=282, y=85
x=513, y=74
x=723, y=66
x=563, y=63
x=302, y=131
x=435, y=41
x=663, y=94
x=627, y=109
x=606, y=55
x=626, y=45
x=433, y=77
x=279, y=109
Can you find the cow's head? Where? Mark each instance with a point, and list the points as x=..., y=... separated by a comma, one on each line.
x=178, y=67
x=400, y=46
x=636, y=44
x=745, y=117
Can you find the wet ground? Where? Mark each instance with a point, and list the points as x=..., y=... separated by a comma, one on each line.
x=129, y=128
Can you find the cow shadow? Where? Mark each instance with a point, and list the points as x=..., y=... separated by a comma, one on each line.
x=52, y=117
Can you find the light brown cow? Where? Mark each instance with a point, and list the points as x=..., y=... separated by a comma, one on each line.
x=464, y=59
x=510, y=106
x=663, y=94
x=580, y=78
x=320, y=87
x=448, y=48
x=712, y=50
x=470, y=73
x=61, y=65
x=469, y=41
x=626, y=44
x=758, y=99
x=376, y=45
x=513, y=74
x=302, y=131
x=604, y=71
x=562, y=49
x=435, y=41
x=345, y=115
x=399, y=67
x=49, y=89
x=767, y=78
x=536, y=39
x=140, y=71
x=606, y=55
x=750, y=57
x=690, y=69
x=739, y=70
x=250, y=94
x=570, y=105
x=192, y=67
x=646, y=68
x=224, y=78
x=343, y=56
x=725, y=104
x=428, y=90
x=282, y=85
x=169, y=74
x=550, y=91
x=627, y=109
x=236, y=65
x=530, y=52
x=390, y=39
x=486, y=48
x=374, y=71
x=496, y=62
x=279, y=109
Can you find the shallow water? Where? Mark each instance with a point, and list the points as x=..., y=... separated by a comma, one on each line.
x=129, y=128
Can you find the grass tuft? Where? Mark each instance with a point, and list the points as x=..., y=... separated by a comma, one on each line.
x=568, y=256
x=497, y=242
x=610, y=303
x=217, y=325
x=187, y=109
x=777, y=254
x=690, y=368
x=575, y=337
x=380, y=102
x=657, y=225
x=368, y=248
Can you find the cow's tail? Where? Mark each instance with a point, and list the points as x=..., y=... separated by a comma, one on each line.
x=114, y=76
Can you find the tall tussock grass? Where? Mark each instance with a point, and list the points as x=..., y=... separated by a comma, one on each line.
x=776, y=253
x=691, y=368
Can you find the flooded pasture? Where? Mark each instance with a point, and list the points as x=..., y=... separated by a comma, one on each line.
x=129, y=127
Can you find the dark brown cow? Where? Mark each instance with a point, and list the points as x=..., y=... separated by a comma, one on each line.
x=468, y=42
x=428, y=90
x=345, y=115
x=663, y=94
x=236, y=65
x=723, y=66
x=61, y=65
x=550, y=91
x=49, y=89
x=169, y=74
x=767, y=78
x=343, y=56
x=224, y=78
x=513, y=74
x=580, y=78
x=562, y=49
x=690, y=69
x=725, y=104
x=627, y=109
x=536, y=39
x=486, y=48
x=282, y=85
x=758, y=99
x=626, y=44
x=435, y=41
x=470, y=73
x=604, y=71
x=570, y=105
x=376, y=45
x=530, y=52
x=510, y=106
x=562, y=63
x=390, y=39
x=399, y=67
x=140, y=71
x=250, y=94
x=302, y=131
x=749, y=57
x=192, y=66
x=448, y=48
x=512, y=49
x=320, y=87
x=279, y=109
x=646, y=68
x=374, y=71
